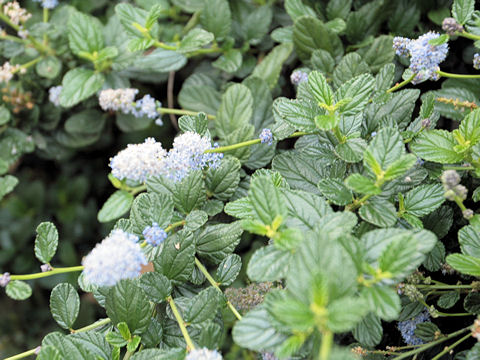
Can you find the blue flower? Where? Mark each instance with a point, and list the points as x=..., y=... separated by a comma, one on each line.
x=298, y=76
x=266, y=136
x=476, y=61
x=400, y=46
x=139, y=161
x=204, y=354
x=117, y=257
x=407, y=328
x=48, y=4
x=154, y=235
x=188, y=154
x=147, y=106
x=425, y=58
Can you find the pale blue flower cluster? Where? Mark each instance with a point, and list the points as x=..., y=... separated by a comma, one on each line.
x=407, y=328
x=424, y=57
x=48, y=4
x=117, y=257
x=188, y=154
x=4, y=279
x=124, y=100
x=154, y=235
x=54, y=94
x=139, y=161
x=266, y=136
x=204, y=354
x=476, y=61
x=298, y=76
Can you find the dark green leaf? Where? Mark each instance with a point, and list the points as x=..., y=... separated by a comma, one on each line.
x=156, y=286
x=46, y=242
x=78, y=85
x=228, y=270
x=116, y=205
x=215, y=242
x=64, y=305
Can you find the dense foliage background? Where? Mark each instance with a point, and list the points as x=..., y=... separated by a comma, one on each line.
x=59, y=153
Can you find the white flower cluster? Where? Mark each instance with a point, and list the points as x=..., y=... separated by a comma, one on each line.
x=118, y=99
x=117, y=257
x=16, y=14
x=54, y=94
x=204, y=354
x=6, y=71
x=139, y=161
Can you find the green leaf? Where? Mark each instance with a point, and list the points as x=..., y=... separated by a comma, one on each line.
x=296, y=9
x=161, y=60
x=194, y=40
x=133, y=344
x=436, y=257
x=189, y=193
x=348, y=68
x=400, y=166
x=48, y=352
x=305, y=209
x=46, y=242
x=256, y=332
x=472, y=303
x=386, y=147
x=310, y=34
x=126, y=302
x=427, y=331
x=85, y=33
x=436, y=146
x=398, y=256
x=268, y=264
x=424, y=199
x=49, y=67
x=293, y=314
x=469, y=239
x=7, y=184
x=116, y=339
x=384, y=78
x=64, y=305
x=148, y=208
x=320, y=89
x=235, y=110
x=215, y=242
x=338, y=9
x=266, y=199
x=344, y=314
x=222, y=181
x=229, y=62
x=197, y=124
x=298, y=113
x=465, y=264
x=156, y=286
x=336, y=26
x=256, y=24
x=473, y=353
x=216, y=18
x=335, y=190
x=202, y=307
x=358, y=90
x=448, y=300
x=18, y=290
x=130, y=15
x=462, y=10
x=116, y=205
x=369, y=331
x=379, y=212
x=195, y=220
x=470, y=127
x=78, y=85
x=384, y=301
x=228, y=270
x=269, y=68
x=322, y=61
x=362, y=185
x=380, y=53
x=157, y=354
x=176, y=260
x=352, y=150
x=4, y=115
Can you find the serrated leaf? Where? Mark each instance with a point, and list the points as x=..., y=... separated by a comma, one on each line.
x=269, y=68
x=156, y=286
x=362, y=185
x=268, y=264
x=369, y=331
x=222, y=181
x=64, y=305
x=228, y=270
x=194, y=40
x=448, y=300
x=335, y=190
x=176, y=260
x=465, y=264
x=148, y=208
x=383, y=300
x=79, y=84
x=462, y=10
x=215, y=242
x=358, y=90
x=436, y=146
x=320, y=89
x=84, y=33
x=216, y=18
x=235, y=110
x=424, y=199
x=298, y=113
x=46, y=242
x=18, y=290
x=266, y=199
x=126, y=302
x=469, y=239
x=202, y=307
x=379, y=212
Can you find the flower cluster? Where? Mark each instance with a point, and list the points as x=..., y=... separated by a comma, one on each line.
x=188, y=154
x=140, y=161
x=424, y=57
x=154, y=235
x=266, y=136
x=451, y=183
x=298, y=76
x=204, y=354
x=476, y=329
x=117, y=257
x=124, y=100
x=54, y=94
x=476, y=61
x=6, y=71
x=48, y=4
x=450, y=26
x=17, y=14
x=407, y=328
